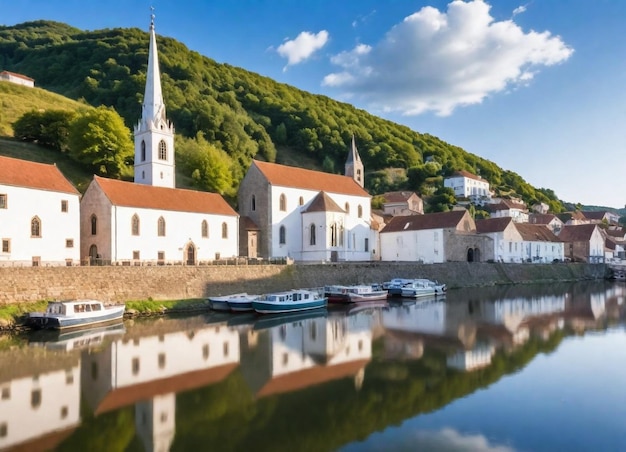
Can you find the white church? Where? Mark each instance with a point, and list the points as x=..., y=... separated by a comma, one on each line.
x=150, y=220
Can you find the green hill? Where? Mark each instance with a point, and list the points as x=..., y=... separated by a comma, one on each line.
x=242, y=113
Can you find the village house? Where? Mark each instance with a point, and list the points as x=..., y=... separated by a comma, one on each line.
x=149, y=220
x=553, y=222
x=583, y=243
x=402, y=203
x=601, y=216
x=468, y=185
x=39, y=215
x=508, y=208
x=573, y=218
x=434, y=238
x=18, y=79
x=306, y=215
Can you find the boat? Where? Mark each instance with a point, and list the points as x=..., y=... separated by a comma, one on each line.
x=422, y=288
x=240, y=301
x=394, y=286
x=289, y=301
x=75, y=313
x=354, y=293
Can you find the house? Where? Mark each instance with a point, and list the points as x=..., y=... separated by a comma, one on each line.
x=402, y=203
x=307, y=215
x=601, y=216
x=39, y=215
x=508, y=208
x=149, y=220
x=583, y=243
x=468, y=185
x=18, y=79
x=520, y=242
x=573, y=218
x=553, y=222
x=433, y=238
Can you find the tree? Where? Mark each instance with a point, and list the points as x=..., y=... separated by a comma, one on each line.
x=48, y=128
x=99, y=139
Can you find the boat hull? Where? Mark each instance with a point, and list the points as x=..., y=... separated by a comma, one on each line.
x=271, y=307
x=58, y=322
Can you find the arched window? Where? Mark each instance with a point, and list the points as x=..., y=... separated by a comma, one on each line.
x=161, y=227
x=360, y=211
x=282, y=235
x=134, y=225
x=143, y=151
x=282, y=205
x=333, y=234
x=312, y=235
x=301, y=201
x=358, y=175
x=35, y=227
x=253, y=203
x=94, y=224
x=205, y=229
x=341, y=232
x=162, y=150
x=347, y=207
x=224, y=230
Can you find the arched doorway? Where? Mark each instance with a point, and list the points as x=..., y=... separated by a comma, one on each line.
x=93, y=254
x=476, y=254
x=470, y=255
x=190, y=254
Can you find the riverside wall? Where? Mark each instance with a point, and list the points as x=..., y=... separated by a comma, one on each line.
x=120, y=283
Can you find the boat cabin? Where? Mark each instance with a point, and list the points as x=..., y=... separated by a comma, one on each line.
x=65, y=308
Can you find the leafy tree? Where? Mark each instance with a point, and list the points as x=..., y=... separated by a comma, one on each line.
x=442, y=201
x=48, y=128
x=100, y=139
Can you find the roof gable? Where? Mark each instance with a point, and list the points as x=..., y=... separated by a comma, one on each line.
x=40, y=176
x=488, y=225
x=290, y=176
x=536, y=233
x=399, y=196
x=439, y=220
x=577, y=232
x=323, y=203
x=130, y=194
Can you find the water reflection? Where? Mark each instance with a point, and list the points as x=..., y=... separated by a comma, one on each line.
x=382, y=363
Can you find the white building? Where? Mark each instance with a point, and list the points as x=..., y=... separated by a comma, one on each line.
x=18, y=79
x=468, y=185
x=39, y=215
x=151, y=220
x=509, y=208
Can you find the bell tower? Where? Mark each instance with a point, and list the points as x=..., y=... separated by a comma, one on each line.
x=354, y=166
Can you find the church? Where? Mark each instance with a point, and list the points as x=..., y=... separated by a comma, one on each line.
x=150, y=220
x=306, y=215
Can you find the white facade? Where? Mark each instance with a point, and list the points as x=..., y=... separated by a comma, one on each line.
x=18, y=79
x=38, y=226
x=425, y=246
x=466, y=185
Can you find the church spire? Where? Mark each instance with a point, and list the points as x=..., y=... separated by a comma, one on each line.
x=354, y=166
x=154, y=134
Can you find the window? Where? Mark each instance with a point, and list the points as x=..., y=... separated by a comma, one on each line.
x=253, y=203
x=225, y=349
x=69, y=243
x=205, y=351
x=301, y=201
x=94, y=225
x=63, y=205
x=312, y=235
x=282, y=205
x=161, y=360
x=64, y=412
x=360, y=211
x=161, y=227
x=6, y=245
x=347, y=207
x=162, y=150
x=135, y=366
x=367, y=244
x=35, y=398
x=282, y=235
x=136, y=255
x=161, y=256
x=358, y=175
x=35, y=227
x=143, y=151
x=333, y=234
x=135, y=225
x=224, y=230
x=4, y=430
x=6, y=393
x=205, y=229
x=3, y=201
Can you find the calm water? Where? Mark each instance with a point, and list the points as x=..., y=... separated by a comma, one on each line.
x=526, y=368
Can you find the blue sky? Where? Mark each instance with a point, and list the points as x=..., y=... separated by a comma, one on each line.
x=536, y=86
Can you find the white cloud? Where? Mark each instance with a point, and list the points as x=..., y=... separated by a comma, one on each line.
x=519, y=10
x=299, y=49
x=438, y=61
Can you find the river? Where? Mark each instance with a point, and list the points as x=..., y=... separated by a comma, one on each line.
x=508, y=368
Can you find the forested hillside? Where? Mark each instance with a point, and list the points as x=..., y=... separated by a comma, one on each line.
x=243, y=114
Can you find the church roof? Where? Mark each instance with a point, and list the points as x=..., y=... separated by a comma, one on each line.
x=129, y=194
x=289, y=176
x=323, y=203
x=41, y=176
x=439, y=220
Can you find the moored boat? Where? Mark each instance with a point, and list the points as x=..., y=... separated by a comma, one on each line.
x=422, y=288
x=394, y=286
x=75, y=314
x=240, y=301
x=289, y=301
x=354, y=293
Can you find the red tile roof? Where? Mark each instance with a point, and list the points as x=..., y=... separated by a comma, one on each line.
x=323, y=203
x=536, y=233
x=289, y=176
x=463, y=173
x=542, y=218
x=130, y=194
x=15, y=74
x=577, y=232
x=437, y=220
x=41, y=176
x=488, y=225
x=398, y=196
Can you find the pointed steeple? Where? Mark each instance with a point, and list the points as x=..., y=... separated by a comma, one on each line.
x=154, y=134
x=354, y=166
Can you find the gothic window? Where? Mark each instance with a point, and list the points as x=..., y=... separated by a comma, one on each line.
x=282, y=205
x=282, y=235
x=347, y=207
x=143, y=151
x=161, y=227
x=360, y=211
x=253, y=203
x=35, y=227
x=301, y=201
x=333, y=234
x=94, y=225
x=358, y=175
x=224, y=230
x=205, y=229
x=312, y=235
x=162, y=150
x=135, y=225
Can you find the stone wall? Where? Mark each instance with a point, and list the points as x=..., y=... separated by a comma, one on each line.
x=118, y=283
